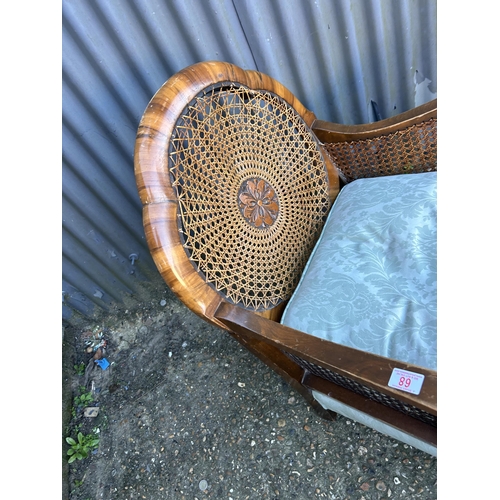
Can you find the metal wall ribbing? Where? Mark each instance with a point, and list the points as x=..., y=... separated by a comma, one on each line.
x=336, y=55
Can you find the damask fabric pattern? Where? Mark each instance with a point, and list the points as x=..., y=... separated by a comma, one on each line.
x=370, y=282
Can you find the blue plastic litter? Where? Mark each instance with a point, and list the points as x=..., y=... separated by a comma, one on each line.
x=103, y=363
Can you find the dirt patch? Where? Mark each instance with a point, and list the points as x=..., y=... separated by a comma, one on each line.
x=185, y=412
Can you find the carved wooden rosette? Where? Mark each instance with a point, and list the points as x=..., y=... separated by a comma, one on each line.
x=258, y=202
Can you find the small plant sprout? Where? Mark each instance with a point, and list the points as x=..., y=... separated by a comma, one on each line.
x=79, y=369
x=81, y=447
x=84, y=398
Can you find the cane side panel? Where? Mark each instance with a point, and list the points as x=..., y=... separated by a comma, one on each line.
x=366, y=391
x=412, y=150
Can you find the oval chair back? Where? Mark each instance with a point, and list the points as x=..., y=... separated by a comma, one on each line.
x=235, y=187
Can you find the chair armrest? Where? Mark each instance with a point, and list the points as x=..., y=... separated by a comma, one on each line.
x=330, y=132
x=406, y=143
x=365, y=368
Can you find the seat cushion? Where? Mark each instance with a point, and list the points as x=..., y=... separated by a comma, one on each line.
x=370, y=282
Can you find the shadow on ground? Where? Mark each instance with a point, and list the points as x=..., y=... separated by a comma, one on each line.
x=184, y=412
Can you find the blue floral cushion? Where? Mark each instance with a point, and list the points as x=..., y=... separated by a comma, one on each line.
x=370, y=282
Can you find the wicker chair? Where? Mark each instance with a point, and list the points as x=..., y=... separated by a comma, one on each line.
x=237, y=179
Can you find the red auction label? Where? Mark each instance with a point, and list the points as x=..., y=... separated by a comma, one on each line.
x=406, y=380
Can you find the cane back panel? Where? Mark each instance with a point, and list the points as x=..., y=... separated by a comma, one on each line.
x=252, y=190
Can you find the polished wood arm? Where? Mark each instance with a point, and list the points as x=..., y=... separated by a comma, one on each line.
x=368, y=369
x=330, y=132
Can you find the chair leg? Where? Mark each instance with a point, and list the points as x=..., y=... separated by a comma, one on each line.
x=290, y=371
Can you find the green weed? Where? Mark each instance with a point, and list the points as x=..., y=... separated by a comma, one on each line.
x=83, y=399
x=82, y=446
x=80, y=368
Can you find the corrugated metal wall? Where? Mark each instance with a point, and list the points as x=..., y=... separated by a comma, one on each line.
x=335, y=55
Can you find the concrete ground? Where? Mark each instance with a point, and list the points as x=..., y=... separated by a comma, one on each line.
x=186, y=413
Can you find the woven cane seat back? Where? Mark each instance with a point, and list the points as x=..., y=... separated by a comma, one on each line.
x=252, y=189
x=251, y=184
